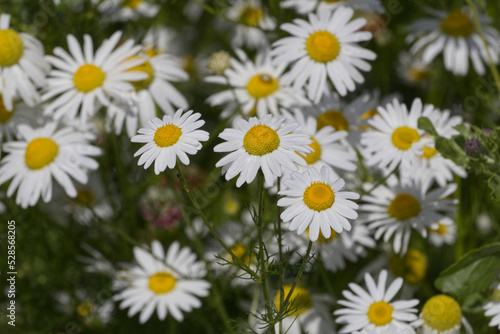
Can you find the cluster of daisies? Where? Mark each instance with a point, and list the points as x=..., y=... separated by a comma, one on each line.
x=296, y=125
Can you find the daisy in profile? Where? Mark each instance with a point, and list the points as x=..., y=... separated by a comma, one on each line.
x=315, y=201
x=455, y=35
x=125, y=10
x=307, y=6
x=395, y=137
x=441, y=314
x=169, y=139
x=399, y=207
x=83, y=81
x=41, y=154
x=412, y=69
x=373, y=310
x=258, y=87
x=252, y=20
x=23, y=68
x=492, y=308
x=325, y=48
x=443, y=232
x=327, y=148
x=134, y=108
x=266, y=144
x=431, y=165
x=168, y=282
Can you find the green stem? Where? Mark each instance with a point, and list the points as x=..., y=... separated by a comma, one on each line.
x=280, y=256
x=262, y=262
x=205, y=7
x=193, y=201
x=479, y=28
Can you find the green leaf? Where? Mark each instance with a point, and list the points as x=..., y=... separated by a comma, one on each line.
x=474, y=272
x=425, y=124
x=451, y=150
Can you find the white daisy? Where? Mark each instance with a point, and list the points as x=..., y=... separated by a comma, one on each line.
x=316, y=201
x=167, y=139
x=395, y=137
x=125, y=10
x=266, y=144
x=307, y=6
x=441, y=314
x=442, y=232
x=83, y=81
x=492, y=308
x=395, y=209
x=335, y=251
x=252, y=21
x=412, y=69
x=43, y=153
x=168, y=282
x=23, y=68
x=325, y=47
x=455, y=35
x=431, y=165
x=373, y=309
x=259, y=87
x=135, y=108
x=20, y=114
x=327, y=147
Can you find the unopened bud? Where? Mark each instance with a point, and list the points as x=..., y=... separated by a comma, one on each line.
x=219, y=62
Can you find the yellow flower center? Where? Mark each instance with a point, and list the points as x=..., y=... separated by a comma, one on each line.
x=429, y=152
x=314, y=156
x=261, y=140
x=231, y=207
x=84, y=309
x=148, y=69
x=457, y=24
x=5, y=115
x=322, y=46
x=262, y=85
x=11, y=47
x=441, y=229
x=403, y=207
x=132, y=3
x=380, y=313
x=418, y=75
x=88, y=77
x=404, y=136
x=441, y=313
x=321, y=237
x=162, y=282
x=167, y=135
x=335, y=119
x=412, y=267
x=319, y=196
x=40, y=152
x=299, y=302
x=251, y=16
x=370, y=113
x=241, y=252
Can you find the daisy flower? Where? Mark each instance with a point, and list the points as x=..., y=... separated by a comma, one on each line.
x=82, y=81
x=441, y=315
x=307, y=6
x=258, y=87
x=431, y=165
x=20, y=114
x=373, y=309
x=442, y=232
x=492, y=308
x=396, y=209
x=412, y=267
x=266, y=144
x=167, y=139
x=316, y=201
x=335, y=251
x=125, y=10
x=455, y=35
x=42, y=154
x=23, y=68
x=168, y=282
x=325, y=47
x=412, y=69
x=252, y=21
x=138, y=106
x=327, y=149
x=395, y=137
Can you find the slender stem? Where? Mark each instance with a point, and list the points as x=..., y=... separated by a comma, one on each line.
x=479, y=28
x=381, y=181
x=193, y=201
x=262, y=261
x=280, y=256
x=205, y=7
